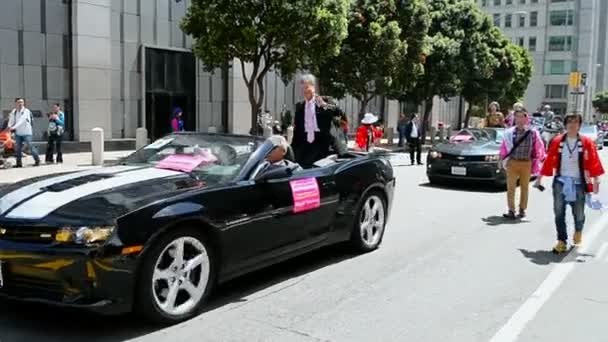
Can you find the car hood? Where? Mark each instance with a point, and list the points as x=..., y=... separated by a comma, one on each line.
x=92, y=196
x=469, y=148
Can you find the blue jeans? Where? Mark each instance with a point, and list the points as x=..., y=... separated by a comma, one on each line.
x=25, y=139
x=559, y=209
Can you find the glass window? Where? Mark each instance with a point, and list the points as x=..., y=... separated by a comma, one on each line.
x=497, y=2
x=509, y=2
x=559, y=67
x=520, y=41
x=484, y=3
x=561, y=18
x=497, y=19
x=556, y=91
x=534, y=1
x=534, y=19
x=560, y=43
x=508, y=18
x=532, y=44
x=523, y=2
x=522, y=21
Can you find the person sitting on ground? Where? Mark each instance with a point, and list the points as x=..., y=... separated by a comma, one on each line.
x=276, y=157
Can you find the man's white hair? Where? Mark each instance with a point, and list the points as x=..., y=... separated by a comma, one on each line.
x=279, y=141
x=518, y=105
x=308, y=78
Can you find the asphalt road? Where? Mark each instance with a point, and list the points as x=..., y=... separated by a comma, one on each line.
x=450, y=269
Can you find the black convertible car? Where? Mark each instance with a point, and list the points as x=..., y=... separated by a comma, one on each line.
x=157, y=232
x=472, y=154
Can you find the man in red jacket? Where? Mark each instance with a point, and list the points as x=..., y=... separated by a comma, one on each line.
x=574, y=161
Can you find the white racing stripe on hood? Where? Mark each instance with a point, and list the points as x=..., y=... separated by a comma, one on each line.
x=12, y=198
x=47, y=202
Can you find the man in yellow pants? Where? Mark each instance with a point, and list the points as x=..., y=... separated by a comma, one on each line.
x=521, y=151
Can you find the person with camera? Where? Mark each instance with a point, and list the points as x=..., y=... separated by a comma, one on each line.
x=573, y=160
x=55, y=130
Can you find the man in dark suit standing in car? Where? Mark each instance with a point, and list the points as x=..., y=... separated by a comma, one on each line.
x=315, y=131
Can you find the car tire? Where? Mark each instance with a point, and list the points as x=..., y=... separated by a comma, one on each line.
x=370, y=222
x=164, y=274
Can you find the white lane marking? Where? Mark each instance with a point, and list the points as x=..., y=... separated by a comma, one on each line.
x=601, y=251
x=42, y=205
x=526, y=313
x=12, y=198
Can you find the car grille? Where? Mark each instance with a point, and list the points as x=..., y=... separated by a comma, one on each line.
x=28, y=234
x=30, y=287
x=447, y=156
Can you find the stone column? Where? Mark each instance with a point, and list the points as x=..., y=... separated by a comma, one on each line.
x=92, y=56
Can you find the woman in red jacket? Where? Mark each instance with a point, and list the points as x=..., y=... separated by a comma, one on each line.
x=573, y=160
x=367, y=134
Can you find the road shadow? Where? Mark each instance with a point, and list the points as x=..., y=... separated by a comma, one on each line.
x=544, y=257
x=26, y=322
x=464, y=187
x=494, y=221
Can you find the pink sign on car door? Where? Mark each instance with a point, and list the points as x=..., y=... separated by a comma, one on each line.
x=305, y=194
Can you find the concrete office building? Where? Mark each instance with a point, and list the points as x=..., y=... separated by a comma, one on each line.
x=562, y=36
x=119, y=65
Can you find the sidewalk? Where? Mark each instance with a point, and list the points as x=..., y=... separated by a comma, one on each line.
x=71, y=162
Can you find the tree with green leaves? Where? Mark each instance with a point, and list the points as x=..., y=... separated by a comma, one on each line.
x=600, y=102
x=380, y=46
x=267, y=34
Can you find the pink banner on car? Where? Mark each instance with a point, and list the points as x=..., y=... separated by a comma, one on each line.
x=185, y=162
x=305, y=194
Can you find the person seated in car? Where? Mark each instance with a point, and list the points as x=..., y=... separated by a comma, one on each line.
x=276, y=157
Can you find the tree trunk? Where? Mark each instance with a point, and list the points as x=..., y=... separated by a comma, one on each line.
x=364, y=102
x=255, y=109
x=428, y=107
x=467, y=117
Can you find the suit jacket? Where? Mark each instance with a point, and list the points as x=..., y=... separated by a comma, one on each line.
x=328, y=131
x=408, y=130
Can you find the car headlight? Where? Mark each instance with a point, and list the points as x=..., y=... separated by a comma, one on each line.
x=435, y=155
x=83, y=235
x=493, y=158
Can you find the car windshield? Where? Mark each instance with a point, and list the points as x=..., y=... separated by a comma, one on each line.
x=209, y=157
x=495, y=134
x=476, y=134
x=587, y=129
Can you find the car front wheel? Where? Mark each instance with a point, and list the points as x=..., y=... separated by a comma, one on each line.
x=371, y=219
x=176, y=277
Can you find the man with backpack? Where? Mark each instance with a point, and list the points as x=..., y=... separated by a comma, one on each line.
x=20, y=122
x=521, y=152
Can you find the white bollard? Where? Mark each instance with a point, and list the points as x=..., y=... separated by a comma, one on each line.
x=290, y=134
x=212, y=129
x=141, y=138
x=97, y=148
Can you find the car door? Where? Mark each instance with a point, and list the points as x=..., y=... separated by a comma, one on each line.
x=304, y=206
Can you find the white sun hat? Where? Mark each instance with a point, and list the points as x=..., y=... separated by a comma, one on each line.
x=369, y=119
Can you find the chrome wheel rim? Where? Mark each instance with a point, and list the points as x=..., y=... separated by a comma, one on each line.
x=181, y=274
x=371, y=220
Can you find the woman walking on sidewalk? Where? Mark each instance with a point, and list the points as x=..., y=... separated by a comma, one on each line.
x=574, y=161
x=55, y=131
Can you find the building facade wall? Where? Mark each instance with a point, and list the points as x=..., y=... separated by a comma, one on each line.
x=584, y=20
x=33, y=57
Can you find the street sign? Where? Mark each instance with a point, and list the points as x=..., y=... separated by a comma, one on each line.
x=575, y=79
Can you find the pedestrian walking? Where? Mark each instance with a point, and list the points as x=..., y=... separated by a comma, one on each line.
x=521, y=152
x=573, y=160
x=55, y=131
x=177, y=122
x=412, y=135
x=367, y=134
x=494, y=118
x=20, y=122
x=401, y=124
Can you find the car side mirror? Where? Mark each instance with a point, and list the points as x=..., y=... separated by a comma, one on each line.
x=274, y=173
